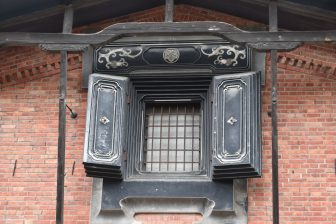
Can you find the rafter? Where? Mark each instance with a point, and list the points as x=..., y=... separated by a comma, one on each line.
x=48, y=12
x=299, y=9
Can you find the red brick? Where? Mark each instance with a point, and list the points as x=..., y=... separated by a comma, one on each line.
x=307, y=136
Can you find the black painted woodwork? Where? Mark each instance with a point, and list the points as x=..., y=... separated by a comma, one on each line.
x=236, y=126
x=219, y=57
x=67, y=28
x=219, y=192
x=105, y=126
x=219, y=29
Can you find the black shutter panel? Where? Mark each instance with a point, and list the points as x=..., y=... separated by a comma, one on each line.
x=236, y=126
x=105, y=126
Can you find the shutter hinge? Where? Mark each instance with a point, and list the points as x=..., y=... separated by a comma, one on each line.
x=125, y=155
x=245, y=204
x=211, y=98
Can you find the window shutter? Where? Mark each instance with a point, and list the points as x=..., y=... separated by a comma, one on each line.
x=105, y=126
x=236, y=126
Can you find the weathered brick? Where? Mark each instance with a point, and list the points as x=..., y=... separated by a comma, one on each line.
x=29, y=124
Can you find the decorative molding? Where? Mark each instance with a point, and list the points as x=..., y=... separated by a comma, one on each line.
x=226, y=50
x=307, y=65
x=38, y=71
x=290, y=61
x=217, y=56
x=111, y=53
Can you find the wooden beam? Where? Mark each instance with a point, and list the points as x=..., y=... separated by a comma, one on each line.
x=67, y=28
x=68, y=19
x=273, y=27
x=120, y=30
x=169, y=11
x=45, y=13
x=261, y=40
x=299, y=9
x=273, y=16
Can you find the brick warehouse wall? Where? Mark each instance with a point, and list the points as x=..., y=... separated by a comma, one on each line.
x=29, y=119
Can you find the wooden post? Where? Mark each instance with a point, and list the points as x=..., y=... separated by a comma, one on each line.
x=67, y=27
x=273, y=27
x=169, y=11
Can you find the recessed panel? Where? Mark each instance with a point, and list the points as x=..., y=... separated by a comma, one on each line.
x=105, y=122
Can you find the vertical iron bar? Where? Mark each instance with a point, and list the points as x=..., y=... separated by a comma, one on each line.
x=168, y=147
x=273, y=27
x=153, y=129
x=144, y=162
x=67, y=27
x=177, y=129
x=192, y=137
x=169, y=11
x=160, y=139
x=185, y=137
x=200, y=124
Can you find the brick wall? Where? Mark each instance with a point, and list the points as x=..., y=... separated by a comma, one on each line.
x=29, y=119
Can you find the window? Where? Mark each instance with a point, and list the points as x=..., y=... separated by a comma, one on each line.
x=172, y=137
x=169, y=119
x=131, y=133
x=172, y=127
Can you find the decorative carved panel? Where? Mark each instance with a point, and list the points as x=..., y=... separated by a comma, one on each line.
x=217, y=56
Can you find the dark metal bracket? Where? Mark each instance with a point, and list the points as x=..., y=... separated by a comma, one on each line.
x=14, y=168
x=73, y=113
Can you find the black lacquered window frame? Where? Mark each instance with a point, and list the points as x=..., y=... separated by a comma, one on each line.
x=171, y=102
x=136, y=133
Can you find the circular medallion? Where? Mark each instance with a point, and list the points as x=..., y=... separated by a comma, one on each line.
x=171, y=55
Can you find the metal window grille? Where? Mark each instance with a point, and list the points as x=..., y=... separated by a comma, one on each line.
x=172, y=137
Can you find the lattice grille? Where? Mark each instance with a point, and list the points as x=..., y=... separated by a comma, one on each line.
x=172, y=137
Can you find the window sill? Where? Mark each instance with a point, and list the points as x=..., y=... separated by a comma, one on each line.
x=118, y=202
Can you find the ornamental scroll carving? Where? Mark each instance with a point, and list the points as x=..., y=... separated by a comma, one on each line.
x=110, y=55
x=222, y=53
x=219, y=56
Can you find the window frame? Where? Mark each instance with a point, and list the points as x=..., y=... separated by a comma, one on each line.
x=174, y=125
x=134, y=146
x=230, y=193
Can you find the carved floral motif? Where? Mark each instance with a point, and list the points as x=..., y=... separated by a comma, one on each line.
x=109, y=55
x=228, y=50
